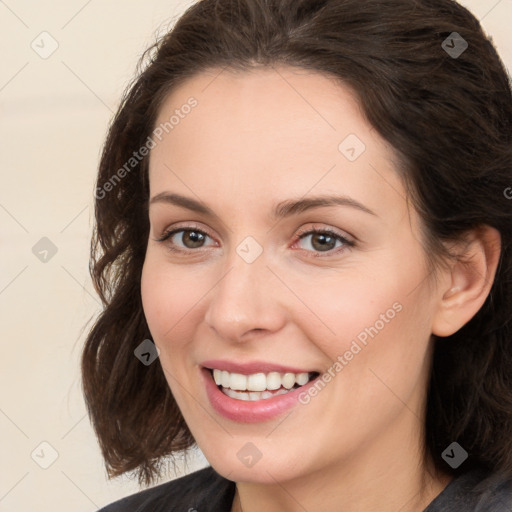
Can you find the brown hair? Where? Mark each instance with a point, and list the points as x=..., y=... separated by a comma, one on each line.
x=449, y=119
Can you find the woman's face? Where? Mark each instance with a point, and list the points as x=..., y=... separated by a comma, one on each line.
x=242, y=289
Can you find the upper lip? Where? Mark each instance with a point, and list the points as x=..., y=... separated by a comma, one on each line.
x=251, y=367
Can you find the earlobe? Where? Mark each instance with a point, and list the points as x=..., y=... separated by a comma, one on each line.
x=469, y=281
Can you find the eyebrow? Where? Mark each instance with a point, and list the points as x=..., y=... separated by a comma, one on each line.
x=281, y=210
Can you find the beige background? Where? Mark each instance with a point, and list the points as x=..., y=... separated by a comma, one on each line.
x=53, y=116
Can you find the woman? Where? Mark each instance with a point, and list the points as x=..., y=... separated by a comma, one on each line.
x=303, y=245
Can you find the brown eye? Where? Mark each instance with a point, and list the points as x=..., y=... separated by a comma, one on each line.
x=190, y=239
x=322, y=242
x=325, y=240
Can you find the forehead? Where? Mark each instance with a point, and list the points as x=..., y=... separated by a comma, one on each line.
x=269, y=100
x=270, y=129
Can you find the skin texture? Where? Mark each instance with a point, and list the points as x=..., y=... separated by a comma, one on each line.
x=255, y=139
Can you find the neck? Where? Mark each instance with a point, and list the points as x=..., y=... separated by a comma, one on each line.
x=390, y=475
x=322, y=495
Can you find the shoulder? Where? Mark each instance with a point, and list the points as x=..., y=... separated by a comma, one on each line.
x=201, y=491
x=494, y=493
x=475, y=491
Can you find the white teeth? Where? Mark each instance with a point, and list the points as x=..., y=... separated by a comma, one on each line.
x=253, y=396
x=301, y=379
x=236, y=394
x=288, y=380
x=273, y=380
x=259, y=382
x=238, y=381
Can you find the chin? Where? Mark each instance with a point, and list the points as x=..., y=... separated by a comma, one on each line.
x=263, y=472
x=254, y=459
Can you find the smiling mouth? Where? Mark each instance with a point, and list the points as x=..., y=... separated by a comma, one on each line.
x=259, y=386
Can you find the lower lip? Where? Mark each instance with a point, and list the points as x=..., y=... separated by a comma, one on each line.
x=243, y=411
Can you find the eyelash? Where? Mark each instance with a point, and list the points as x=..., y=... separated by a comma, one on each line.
x=347, y=244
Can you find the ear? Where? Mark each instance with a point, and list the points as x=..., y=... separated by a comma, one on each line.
x=469, y=280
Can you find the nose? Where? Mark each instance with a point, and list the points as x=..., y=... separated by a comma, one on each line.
x=247, y=301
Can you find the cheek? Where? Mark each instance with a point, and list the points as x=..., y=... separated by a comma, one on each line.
x=169, y=301
x=344, y=309
x=372, y=319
